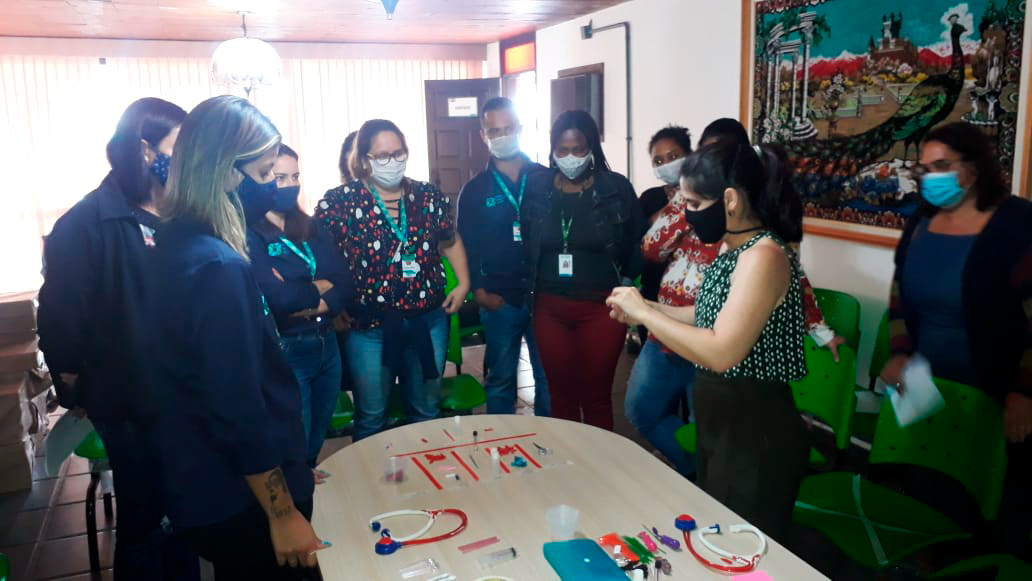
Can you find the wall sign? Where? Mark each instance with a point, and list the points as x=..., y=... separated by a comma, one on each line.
x=462, y=107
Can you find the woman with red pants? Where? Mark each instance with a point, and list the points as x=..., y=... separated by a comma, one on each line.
x=583, y=227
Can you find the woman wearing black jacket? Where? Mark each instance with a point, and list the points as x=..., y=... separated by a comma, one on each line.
x=583, y=229
x=91, y=329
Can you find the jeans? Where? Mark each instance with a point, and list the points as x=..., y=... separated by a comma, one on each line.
x=240, y=548
x=144, y=549
x=504, y=330
x=372, y=381
x=315, y=359
x=658, y=380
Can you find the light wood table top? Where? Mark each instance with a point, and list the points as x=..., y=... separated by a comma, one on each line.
x=616, y=484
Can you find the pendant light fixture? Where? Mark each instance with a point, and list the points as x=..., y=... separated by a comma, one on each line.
x=245, y=62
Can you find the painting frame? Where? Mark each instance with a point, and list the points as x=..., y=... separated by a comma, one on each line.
x=859, y=233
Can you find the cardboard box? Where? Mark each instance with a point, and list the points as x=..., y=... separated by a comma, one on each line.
x=16, y=466
x=23, y=412
x=18, y=312
x=19, y=357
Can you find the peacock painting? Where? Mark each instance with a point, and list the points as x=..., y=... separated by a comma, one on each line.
x=851, y=87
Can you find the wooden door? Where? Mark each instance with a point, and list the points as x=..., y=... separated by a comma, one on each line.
x=453, y=130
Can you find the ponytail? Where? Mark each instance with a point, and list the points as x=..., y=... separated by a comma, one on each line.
x=761, y=173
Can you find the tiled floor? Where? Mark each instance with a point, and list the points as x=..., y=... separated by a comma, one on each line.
x=42, y=531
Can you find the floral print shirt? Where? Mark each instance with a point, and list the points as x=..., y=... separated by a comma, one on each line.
x=353, y=218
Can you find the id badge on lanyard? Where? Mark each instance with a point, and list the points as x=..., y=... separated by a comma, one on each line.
x=565, y=265
x=409, y=266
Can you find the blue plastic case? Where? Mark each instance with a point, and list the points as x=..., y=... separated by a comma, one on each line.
x=582, y=560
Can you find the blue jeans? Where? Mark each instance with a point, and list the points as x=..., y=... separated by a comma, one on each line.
x=372, y=381
x=144, y=549
x=504, y=331
x=658, y=380
x=315, y=359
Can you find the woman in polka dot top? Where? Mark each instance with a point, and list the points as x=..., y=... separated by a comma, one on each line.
x=393, y=231
x=745, y=333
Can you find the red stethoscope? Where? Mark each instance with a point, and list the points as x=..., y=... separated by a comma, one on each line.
x=389, y=544
x=731, y=563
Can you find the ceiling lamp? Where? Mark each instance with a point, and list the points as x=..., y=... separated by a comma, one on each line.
x=389, y=6
x=245, y=62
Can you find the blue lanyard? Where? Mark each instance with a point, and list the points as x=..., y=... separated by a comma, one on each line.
x=307, y=256
x=516, y=202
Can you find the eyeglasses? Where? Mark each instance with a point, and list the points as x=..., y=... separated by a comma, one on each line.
x=385, y=158
x=937, y=166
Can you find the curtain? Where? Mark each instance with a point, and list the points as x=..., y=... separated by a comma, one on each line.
x=58, y=112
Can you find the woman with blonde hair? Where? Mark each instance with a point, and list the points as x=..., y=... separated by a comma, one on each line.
x=232, y=445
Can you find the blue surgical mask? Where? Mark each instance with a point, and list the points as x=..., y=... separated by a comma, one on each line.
x=942, y=189
x=256, y=198
x=573, y=166
x=159, y=167
x=286, y=199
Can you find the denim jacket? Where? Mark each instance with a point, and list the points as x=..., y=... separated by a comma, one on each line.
x=617, y=216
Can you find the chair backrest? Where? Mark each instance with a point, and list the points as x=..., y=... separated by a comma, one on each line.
x=454, y=353
x=827, y=391
x=842, y=313
x=880, y=356
x=963, y=440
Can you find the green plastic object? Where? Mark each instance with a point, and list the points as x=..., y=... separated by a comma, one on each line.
x=343, y=413
x=876, y=526
x=842, y=313
x=880, y=356
x=5, y=567
x=91, y=448
x=827, y=390
x=964, y=440
x=1007, y=568
x=687, y=437
x=462, y=393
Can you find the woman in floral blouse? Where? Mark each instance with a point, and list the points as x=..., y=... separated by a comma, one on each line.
x=393, y=231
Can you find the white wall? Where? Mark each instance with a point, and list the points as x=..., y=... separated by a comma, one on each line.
x=684, y=68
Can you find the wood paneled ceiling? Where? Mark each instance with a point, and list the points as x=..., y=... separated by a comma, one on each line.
x=415, y=21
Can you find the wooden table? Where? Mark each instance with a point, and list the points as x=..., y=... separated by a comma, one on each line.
x=616, y=485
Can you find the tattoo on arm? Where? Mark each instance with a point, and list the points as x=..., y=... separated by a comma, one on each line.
x=276, y=487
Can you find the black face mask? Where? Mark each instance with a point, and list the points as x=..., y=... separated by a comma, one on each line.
x=710, y=224
x=256, y=198
x=286, y=198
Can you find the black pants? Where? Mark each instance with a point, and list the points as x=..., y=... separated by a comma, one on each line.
x=241, y=549
x=144, y=549
x=752, y=448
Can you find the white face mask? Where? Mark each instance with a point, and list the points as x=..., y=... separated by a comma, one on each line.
x=389, y=175
x=573, y=166
x=504, y=147
x=670, y=173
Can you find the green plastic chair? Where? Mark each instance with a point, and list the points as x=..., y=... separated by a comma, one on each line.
x=842, y=313
x=1007, y=568
x=876, y=526
x=462, y=393
x=827, y=392
x=880, y=356
x=343, y=414
x=92, y=449
x=5, y=567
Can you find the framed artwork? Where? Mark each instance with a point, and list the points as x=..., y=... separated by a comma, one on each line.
x=851, y=87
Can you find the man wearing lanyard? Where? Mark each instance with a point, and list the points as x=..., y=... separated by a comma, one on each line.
x=489, y=223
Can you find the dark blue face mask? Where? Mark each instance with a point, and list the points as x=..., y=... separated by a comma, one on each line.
x=256, y=198
x=159, y=167
x=286, y=199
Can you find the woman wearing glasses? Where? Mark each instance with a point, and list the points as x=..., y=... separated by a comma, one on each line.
x=393, y=231
x=962, y=294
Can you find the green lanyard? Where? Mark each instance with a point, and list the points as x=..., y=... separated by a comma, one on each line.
x=307, y=256
x=516, y=202
x=400, y=228
x=566, y=225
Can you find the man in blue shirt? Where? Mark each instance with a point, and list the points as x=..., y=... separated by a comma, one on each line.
x=489, y=223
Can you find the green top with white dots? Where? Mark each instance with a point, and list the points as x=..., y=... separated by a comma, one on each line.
x=778, y=355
